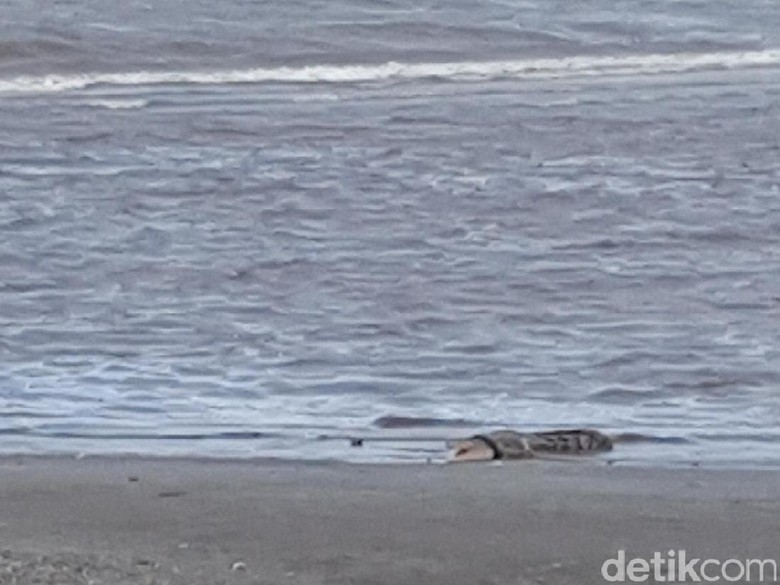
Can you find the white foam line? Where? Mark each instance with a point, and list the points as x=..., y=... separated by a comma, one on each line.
x=466, y=70
x=119, y=104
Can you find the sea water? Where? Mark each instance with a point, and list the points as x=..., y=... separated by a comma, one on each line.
x=251, y=229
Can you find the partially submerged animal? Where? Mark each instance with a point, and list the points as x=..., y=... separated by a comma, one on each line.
x=514, y=445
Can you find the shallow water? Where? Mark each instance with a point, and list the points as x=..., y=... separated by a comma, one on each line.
x=229, y=229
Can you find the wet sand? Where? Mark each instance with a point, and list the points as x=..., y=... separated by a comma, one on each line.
x=203, y=522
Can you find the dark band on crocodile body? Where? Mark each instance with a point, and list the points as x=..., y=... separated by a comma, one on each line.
x=497, y=452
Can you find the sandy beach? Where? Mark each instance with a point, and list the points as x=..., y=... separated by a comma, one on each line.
x=204, y=522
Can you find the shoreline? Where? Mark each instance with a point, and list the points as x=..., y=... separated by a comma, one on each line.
x=614, y=458
x=142, y=520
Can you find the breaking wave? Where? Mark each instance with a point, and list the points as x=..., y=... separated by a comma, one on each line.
x=548, y=68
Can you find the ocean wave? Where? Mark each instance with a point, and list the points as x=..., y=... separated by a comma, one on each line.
x=576, y=66
x=409, y=422
x=119, y=104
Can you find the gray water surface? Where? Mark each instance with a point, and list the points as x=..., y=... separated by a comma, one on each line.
x=210, y=246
